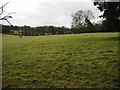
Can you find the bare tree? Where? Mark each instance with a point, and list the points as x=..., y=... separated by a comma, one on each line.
x=6, y=17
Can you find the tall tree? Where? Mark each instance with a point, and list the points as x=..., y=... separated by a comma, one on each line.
x=81, y=19
x=111, y=14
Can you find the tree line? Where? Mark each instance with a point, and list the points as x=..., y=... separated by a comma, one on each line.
x=46, y=30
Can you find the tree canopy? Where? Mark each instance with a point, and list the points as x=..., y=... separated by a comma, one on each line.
x=81, y=19
x=111, y=14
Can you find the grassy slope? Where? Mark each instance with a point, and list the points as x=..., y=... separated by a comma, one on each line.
x=71, y=61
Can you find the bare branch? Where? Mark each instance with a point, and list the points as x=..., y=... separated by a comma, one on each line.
x=6, y=17
x=2, y=10
x=4, y=5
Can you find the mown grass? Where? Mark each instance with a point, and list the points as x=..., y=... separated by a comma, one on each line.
x=61, y=61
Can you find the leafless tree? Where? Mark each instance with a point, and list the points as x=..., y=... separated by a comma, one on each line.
x=6, y=17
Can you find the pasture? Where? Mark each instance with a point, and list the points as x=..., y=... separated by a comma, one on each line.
x=88, y=60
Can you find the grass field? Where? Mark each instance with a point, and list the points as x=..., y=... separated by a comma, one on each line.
x=61, y=61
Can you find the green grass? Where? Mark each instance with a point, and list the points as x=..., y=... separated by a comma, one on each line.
x=61, y=61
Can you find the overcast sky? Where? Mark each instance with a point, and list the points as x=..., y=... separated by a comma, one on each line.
x=46, y=12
